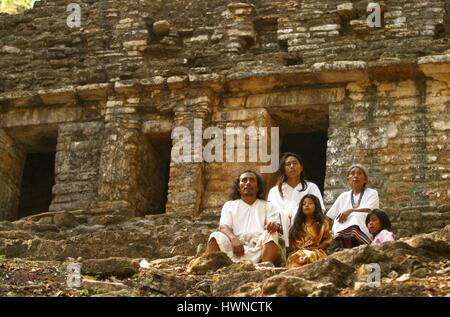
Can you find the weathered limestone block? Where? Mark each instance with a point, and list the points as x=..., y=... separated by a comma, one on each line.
x=12, y=160
x=161, y=28
x=127, y=88
x=212, y=80
x=234, y=102
x=35, y=116
x=199, y=39
x=20, y=99
x=76, y=166
x=296, y=98
x=326, y=27
x=94, y=91
x=152, y=82
x=360, y=27
x=240, y=29
x=157, y=127
x=435, y=66
x=177, y=82
x=188, y=174
x=139, y=45
x=346, y=10
x=64, y=95
x=65, y=219
x=340, y=71
x=398, y=90
x=10, y=49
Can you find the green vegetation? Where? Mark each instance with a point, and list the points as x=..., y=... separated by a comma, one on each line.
x=85, y=292
x=88, y=292
x=15, y=6
x=91, y=278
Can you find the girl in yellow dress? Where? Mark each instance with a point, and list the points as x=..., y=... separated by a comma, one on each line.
x=310, y=234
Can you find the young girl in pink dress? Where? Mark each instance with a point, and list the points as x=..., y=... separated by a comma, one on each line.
x=379, y=226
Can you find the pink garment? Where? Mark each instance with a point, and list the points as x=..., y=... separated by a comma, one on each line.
x=383, y=236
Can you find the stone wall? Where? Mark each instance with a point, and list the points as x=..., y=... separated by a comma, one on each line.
x=77, y=166
x=139, y=39
x=388, y=127
x=220, y=175
x=12, y=161
x=112, y=92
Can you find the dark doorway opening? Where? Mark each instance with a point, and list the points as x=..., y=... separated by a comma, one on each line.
x=37, y=183
x=163, y=148
x=154, y=175
x=312, y=147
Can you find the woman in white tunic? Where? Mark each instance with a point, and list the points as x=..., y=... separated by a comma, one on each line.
x=350, y=209
x=290, y=189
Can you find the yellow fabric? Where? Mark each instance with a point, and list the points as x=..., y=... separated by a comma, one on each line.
x=312, y=237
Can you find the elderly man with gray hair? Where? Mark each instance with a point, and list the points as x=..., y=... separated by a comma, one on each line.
x=350, y=209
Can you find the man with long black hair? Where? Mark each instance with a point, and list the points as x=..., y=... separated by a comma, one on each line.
x=248, y=223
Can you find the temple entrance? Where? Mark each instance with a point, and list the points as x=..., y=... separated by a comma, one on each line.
x=163, y=147
x=37, y=183
x=154, y=181
x=38, y=144
x=304, y=130
x=312, y=147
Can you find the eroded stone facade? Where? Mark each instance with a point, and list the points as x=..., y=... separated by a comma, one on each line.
x=105, y=98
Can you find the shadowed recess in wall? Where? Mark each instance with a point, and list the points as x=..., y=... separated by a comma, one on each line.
x=37, y=182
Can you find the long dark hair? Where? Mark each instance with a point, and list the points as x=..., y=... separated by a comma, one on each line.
x=282, y=177
x=384, y=218
x=297, y=228
x=261, y=186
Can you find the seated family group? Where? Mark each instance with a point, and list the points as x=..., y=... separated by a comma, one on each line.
x=292, y=221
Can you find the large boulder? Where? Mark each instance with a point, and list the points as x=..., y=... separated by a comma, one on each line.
x=209, y=262
x=65, y=219
x=290, y=286
x=360, y=255
x=328, y=270
x=234, y=283
x=120, y=267
x=161, y=282
x=161, y=28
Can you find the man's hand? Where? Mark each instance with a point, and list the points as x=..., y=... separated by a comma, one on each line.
x=238, y=247
x=343, y=216
x=272, y=227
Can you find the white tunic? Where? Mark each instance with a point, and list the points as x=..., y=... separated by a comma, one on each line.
x=244, y=218
x=343, y=202
x=288, y=206
x=247, y=223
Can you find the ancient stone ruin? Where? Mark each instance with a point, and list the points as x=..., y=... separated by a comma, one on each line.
x=86, y=113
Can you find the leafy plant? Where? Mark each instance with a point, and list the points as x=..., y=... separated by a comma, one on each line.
x=89, y=277
x=85, y=292
x=15, y=6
